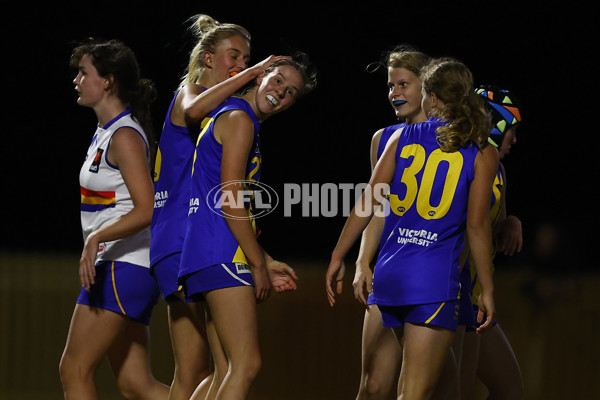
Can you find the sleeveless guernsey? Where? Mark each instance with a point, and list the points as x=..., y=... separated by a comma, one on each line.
x=105, y=198
x=208, y=239
x=171, y=188
x=419, y=259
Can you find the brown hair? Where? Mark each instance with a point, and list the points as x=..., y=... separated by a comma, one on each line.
x=452, y=83
x=302, y=64
x=115, y=58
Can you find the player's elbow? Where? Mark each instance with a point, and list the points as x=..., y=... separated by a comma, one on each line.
x=192, y=115
x=478, y=226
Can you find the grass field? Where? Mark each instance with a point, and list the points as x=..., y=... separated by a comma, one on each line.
x=310, y=351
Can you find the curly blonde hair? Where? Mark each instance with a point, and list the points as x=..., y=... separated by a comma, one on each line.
x=468, y=121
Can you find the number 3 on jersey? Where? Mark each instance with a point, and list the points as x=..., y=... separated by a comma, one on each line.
x=422, y=192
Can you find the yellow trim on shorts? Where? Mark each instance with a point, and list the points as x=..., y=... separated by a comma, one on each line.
x=112, y=271
x=435, y=313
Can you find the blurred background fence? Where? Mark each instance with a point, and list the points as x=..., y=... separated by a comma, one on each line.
x=311, y=351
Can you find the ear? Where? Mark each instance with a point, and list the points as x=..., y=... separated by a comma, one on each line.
x=207, y=57
x=260, y=78
x=109, y=81
x=434, y=100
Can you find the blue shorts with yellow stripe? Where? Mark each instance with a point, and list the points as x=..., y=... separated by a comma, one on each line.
x=217, y=276
x=443, y=314
x=124, y=288
x=165, y=274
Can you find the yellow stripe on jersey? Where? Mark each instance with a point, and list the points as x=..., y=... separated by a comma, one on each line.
x=206, y=123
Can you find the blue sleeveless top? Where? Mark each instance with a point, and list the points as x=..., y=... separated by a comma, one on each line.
x=171, y=188
x=208, y=239
x=419, y=259
x=388, y=131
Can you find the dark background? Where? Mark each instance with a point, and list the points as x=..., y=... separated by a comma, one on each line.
x=543, y=54
x=547, y=297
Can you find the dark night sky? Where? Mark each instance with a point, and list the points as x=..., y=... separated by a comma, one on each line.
x=542, y=55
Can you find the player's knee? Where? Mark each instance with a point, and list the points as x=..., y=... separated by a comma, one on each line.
x=248, y=368
x=372, y=388
x=63, y=369
x=254, y=365
x=72, y=371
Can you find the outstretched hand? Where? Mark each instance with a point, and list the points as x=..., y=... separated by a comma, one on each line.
x=282, y=276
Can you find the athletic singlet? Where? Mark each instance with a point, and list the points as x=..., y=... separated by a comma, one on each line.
x=386, y=134
x=208, y=239
x=388, y=131
x=105, y=198
x=171, y=188
x=419, y=259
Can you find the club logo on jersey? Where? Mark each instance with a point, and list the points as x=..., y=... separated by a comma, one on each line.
x=96, y=163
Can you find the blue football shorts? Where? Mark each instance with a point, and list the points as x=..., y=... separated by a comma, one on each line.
x=124, y=288
x=216, y=276
x=443, y=314
x=466, y=316
x=165, y=274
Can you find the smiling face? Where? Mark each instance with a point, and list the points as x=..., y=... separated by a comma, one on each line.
x=230, y=57
x=405, y=95
x=89, y=85
x=278, y=90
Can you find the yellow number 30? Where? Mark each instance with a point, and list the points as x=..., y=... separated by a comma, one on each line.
x=422, y=194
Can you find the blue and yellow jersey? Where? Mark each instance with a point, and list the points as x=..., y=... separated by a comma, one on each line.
x=419, y=259
x=386, y=134
x=208, y=240
x=171, y=188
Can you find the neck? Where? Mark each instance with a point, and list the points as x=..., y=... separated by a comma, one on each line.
x=420, y=117
x=108, y=110
x=250, y=97
x=206, y=79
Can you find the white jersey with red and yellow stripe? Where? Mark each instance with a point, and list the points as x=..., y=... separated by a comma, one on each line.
x=105, y=197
